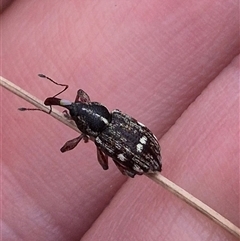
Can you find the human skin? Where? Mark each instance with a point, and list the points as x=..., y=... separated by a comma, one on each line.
x=173, y=65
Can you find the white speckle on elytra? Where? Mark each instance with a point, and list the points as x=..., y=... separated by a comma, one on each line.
x=121, y=157
x=139, y=147
x=143, y=140
x=137, y=168
x=98, y=140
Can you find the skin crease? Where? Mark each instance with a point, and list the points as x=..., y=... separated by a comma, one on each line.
x=172, y=65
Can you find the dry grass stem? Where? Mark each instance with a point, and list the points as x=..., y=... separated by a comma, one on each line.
x=158, y=178
x=195, y=203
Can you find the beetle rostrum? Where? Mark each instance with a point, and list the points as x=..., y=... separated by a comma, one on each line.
x=131, y=145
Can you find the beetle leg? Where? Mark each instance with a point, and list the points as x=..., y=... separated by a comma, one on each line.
x=82, y=97
x=67, y=115
x=69, y=145
x=125, y=171
x=86, y=138
x=102, y=159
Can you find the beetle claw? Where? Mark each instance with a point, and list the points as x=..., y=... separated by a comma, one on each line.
x=102, y=159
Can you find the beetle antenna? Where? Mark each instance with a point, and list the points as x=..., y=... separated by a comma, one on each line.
x=26, y=109
x=50, y=110
x=46, y=77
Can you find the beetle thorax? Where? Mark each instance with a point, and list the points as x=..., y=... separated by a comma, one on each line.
x=91, y=118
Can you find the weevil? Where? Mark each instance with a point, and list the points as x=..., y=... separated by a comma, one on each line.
x=131, y=145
